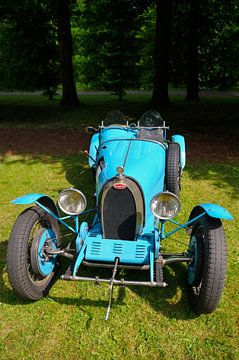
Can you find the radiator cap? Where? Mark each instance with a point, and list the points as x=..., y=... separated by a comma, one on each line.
x=120, y=169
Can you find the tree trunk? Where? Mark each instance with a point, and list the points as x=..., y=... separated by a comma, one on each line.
x=69, y=96
x=192, y=52
x=161, y=54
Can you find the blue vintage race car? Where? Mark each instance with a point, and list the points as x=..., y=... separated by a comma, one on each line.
x=137, y=174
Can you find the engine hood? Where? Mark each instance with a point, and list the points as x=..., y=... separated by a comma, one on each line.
x=143, y=161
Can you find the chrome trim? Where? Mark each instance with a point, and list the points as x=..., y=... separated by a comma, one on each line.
x=166, y=193
x=128, y=126
x=148, y=140
x=138, y=197
x=115, y=282
x=110, y=266
x=74, y=190
x=127, y=154
x=120, y=169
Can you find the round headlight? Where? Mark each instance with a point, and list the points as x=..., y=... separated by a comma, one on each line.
x=165, y=205
x=72, y=201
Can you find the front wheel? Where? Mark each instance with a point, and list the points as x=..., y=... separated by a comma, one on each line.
x=207, y=271
x=30, y=269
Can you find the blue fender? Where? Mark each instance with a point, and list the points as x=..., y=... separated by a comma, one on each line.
x=212, y=210
x=42, y=199
x=94, y=145
x=179, y=139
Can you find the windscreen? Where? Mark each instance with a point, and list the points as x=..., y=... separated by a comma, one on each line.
x=151, y=118
x=114, y=117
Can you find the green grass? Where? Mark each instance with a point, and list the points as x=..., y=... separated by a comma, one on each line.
x=217, y=114
x=144, y=323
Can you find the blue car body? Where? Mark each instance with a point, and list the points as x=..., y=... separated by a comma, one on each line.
x=142, y=162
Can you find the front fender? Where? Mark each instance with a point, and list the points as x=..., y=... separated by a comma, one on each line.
x=40, y=198
x=181, y=141
x=212, y=210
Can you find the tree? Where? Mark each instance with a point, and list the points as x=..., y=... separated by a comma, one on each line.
x=218, y=46
x=192, y=51
x=62, y=12
x=160, y=96
x=146, y=36
x=28, y=58
x=110, y=44
x=204, y=43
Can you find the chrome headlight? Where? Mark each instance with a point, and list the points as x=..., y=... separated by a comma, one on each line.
x=72, y=201
x=165, y=205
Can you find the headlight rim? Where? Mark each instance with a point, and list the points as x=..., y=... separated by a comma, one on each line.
x=168, y=193
x=72, y=213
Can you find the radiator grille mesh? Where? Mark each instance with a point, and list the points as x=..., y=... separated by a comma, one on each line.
x=119, y=214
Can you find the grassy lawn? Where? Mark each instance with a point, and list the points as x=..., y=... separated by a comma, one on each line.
x=144, y=323
x=213, y=114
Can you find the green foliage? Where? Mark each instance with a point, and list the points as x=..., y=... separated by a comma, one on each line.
x=28, y=57
x=113, y=44
x=107, y=38
x=219, y=50
x=146, y=35
x=218, y=43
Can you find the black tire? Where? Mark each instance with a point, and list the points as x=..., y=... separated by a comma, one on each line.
x=25, y=283
x=173, y=169
x=206, y=286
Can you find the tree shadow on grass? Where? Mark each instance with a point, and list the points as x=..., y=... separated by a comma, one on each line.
x=168, y=301
x=171, y=301
x=220, y=176
x=7, y=295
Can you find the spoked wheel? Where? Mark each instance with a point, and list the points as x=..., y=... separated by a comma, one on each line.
x=173, y=170
x=30, y=268
x=207, y=271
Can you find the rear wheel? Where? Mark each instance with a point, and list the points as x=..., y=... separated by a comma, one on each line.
x=30, y=269
x=173, y=170
x=207, y=271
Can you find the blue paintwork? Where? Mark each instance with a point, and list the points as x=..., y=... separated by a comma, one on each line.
x=94, y=145
x=117, y=133
x=179, y=139
x=46, y=267
x=156, y=241
x=151, y=269
x=81, y=235
x=40, y=199
x=57, y=217
x=80, y=258
x=179, y=227
x=28, y=199
x=216, y=211
x=130, y=252
x=144, y=161
x=129, y=154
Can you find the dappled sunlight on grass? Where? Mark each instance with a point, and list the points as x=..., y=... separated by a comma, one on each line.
x=144, y=323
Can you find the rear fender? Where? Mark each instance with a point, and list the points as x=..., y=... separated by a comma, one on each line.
x=41, y=199
x=212, y=210
x=179, y=139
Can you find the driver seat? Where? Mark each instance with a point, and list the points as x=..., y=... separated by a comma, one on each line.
x=148, y=134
